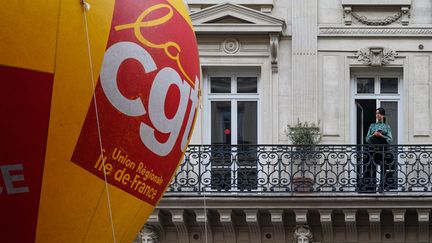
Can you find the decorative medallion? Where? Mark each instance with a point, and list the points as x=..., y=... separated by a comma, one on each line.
x=231, y=46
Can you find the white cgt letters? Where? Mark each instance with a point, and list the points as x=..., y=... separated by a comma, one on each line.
x=166, y=77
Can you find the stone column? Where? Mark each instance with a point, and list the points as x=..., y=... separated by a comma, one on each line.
x=252, y=220
x=274, y=84
x=375, y=224
x=304, y=60
x=326, y=224
x=423, y=219
x=278, y=224
x=205, y=227
x=399, y=224
x=180, y=224
x=225, y=218
x=351, y=225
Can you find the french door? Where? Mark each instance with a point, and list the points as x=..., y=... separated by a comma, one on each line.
x=233, y=103
x=371, y=92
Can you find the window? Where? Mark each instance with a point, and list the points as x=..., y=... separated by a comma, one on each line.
x=220, y=85
x=365, y=85
x=370, y=92
x=247, y=84
x=233, y=103
x=376, y=91
x=389, y=85
x=233, y=108
x=377, y=85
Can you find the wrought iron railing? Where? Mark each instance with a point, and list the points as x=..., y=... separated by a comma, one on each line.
x=304, y=169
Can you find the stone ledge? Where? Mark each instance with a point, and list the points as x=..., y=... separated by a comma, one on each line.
x=231, y=202
x=376, y=3
x=251, y=2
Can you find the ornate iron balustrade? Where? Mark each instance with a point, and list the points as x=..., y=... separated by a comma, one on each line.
x=299, y=169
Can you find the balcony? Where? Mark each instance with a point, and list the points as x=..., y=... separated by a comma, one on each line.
x=264, y=193
x=286, y=170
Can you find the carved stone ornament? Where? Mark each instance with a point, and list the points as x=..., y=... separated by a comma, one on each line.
x=403, y=15
x=303, y=234
x=274, y=47
x=148, y=235
x=347, y=15
x=376, y=56
x=423, y=31
x=231, y=46
x=377, y=22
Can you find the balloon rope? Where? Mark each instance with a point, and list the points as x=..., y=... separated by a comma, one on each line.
x=200, y=105
x=86, y=7
x=206, y=220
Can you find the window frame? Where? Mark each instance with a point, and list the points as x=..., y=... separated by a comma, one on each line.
x=377, y=85
x=234, y=97
x=378, y=96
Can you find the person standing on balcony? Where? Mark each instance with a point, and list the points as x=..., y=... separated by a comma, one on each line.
x=379, y=133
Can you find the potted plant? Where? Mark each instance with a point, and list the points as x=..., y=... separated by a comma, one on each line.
x=304, y=136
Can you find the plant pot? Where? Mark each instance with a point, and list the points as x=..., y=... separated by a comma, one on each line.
x=303, y=184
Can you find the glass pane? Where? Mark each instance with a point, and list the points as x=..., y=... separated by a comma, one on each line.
x=389, y=175
x=389, y=85
x=220, y=84
x=247, y=85
x=391, y=108
x=247, y=122
x=246, y=151
x=221, y=155
x=365, y=85
x=221, y=122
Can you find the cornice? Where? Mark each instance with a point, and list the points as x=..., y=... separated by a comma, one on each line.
x=375, y=31
x=255, y=21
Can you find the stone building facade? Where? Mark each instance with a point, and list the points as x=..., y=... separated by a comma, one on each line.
x=270, y=63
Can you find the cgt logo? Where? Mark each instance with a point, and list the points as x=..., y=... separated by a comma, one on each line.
x=165, y=78
x=146, y=99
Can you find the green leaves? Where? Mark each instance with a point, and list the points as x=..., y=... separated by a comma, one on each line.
x=304, y=133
